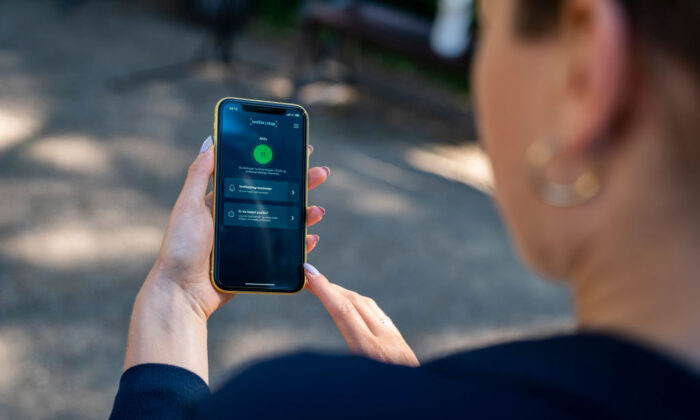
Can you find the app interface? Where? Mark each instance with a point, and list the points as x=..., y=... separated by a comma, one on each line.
x=261, y=197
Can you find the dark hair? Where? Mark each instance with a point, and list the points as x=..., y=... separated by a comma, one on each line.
x=672, y=26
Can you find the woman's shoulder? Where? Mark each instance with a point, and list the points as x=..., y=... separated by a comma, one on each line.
x=568, y=358
x=581, y=375
x=610, y=373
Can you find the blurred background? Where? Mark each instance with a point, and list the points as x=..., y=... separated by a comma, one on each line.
x=103, y=105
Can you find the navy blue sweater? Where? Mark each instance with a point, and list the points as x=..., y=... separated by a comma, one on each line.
x=574, y=376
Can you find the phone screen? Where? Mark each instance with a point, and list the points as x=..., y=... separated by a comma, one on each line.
x=260, y=197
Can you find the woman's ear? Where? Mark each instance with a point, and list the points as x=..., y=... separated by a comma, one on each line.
x=595, y=65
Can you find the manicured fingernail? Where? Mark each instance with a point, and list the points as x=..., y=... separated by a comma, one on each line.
x=311, y=149
x=206, y=145
x=323, y=211
x=327, y=169
x=318, y=238
x=310, y=269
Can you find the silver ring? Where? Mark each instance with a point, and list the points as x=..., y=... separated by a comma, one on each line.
x=385, y=321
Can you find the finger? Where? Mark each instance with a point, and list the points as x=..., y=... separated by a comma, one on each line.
x=380, y=313
x=318, y=175
x=377, y=321
x=310, y=150
x=384, y=318
x=347, y=319
x=314, y=214
x=198, y=174
x=311, y=241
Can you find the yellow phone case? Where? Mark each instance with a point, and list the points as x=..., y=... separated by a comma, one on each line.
x=215, y=188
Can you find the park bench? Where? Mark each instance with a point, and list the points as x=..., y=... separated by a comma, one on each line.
x=383, y=26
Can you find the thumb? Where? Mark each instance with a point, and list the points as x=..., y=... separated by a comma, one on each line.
x=199, y=173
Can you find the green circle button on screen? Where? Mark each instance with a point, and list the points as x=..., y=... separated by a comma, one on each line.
x=262, y=154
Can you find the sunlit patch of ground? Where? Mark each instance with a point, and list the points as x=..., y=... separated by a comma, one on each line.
x=80, y=244
x=329, y=94
x=16, y=124
x=74, y=153
x=466, y=163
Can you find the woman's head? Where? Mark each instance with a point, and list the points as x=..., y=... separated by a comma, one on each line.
x=612, y=87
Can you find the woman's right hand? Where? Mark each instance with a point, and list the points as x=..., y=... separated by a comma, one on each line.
x=365, y=327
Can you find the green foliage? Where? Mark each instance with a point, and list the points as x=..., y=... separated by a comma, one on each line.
x=278, y=15
x=403, y=64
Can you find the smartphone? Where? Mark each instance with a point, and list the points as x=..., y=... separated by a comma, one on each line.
x=259, y=196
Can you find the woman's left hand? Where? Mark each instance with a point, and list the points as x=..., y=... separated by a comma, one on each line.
x=184, y=255
x=168, y=323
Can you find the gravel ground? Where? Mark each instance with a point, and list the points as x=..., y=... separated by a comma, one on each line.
x=87, y=178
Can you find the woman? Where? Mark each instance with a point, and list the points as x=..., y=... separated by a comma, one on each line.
x=588, y=110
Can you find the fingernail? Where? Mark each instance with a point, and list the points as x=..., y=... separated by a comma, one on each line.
x=311, y=148
x=206, y=145
x=323, y=211
x=310, y=269
x=318, y=238
x=327, y=169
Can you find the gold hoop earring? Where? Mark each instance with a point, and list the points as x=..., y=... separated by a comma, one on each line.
x=586, y=186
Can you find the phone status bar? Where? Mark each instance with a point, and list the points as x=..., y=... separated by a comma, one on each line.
x=289, y=113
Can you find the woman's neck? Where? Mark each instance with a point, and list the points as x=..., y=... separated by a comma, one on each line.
x=640, y=276
x=654, y=299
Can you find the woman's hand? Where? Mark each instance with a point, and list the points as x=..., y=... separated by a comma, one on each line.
x=168, y=323
x=365, y=327
x=184, y=255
